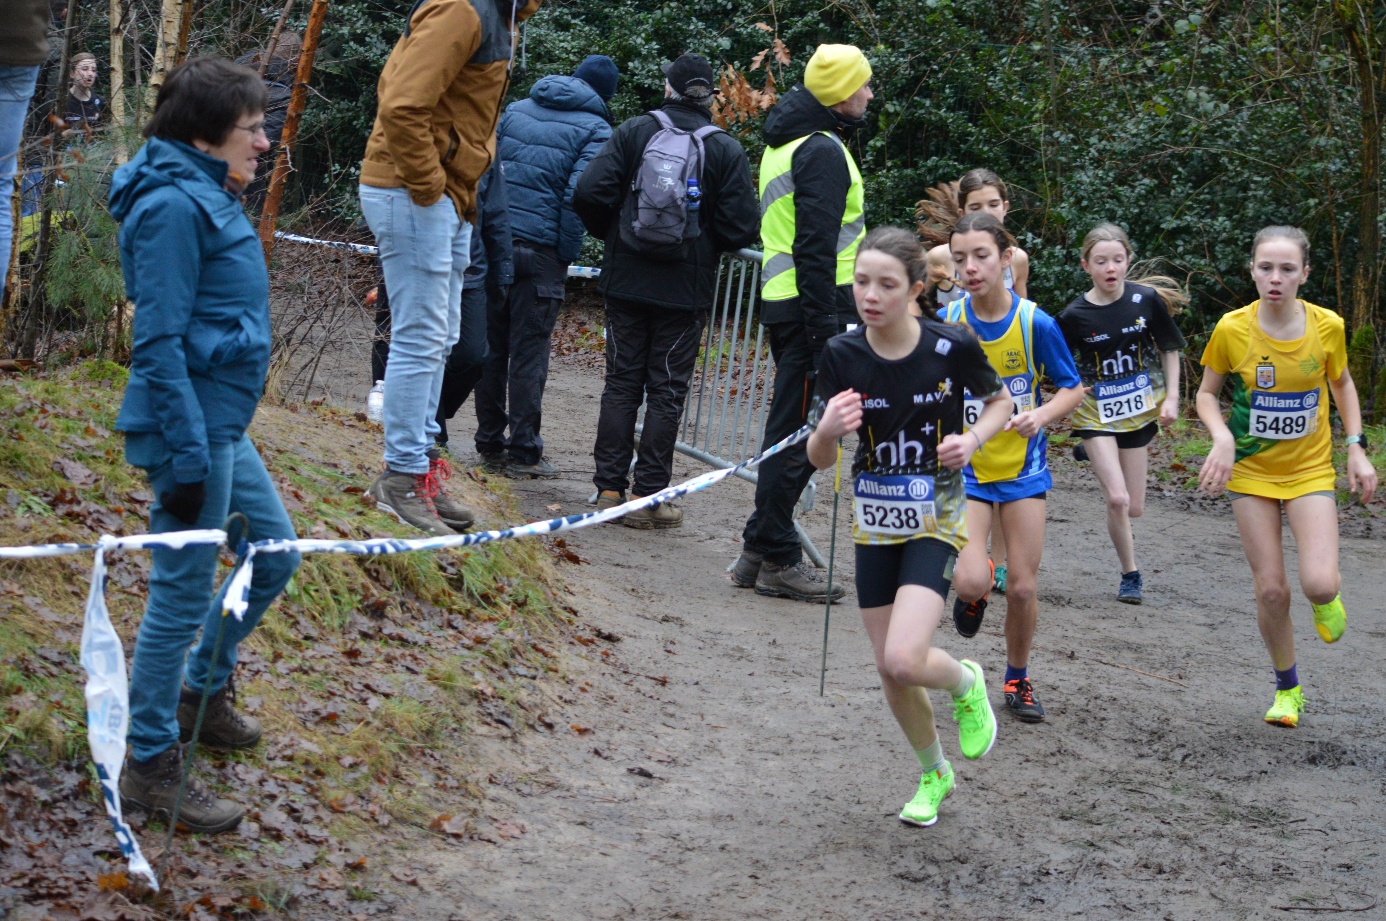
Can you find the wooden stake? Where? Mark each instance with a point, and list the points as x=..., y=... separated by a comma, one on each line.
x=269, y=216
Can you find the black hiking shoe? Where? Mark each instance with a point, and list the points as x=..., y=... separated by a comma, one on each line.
x=153, y=787
x=493, y=463
x=222, y=725
x=798, y=581
x=746, y=569
x=1022, y=702
x=540, y=469
x=454, y=514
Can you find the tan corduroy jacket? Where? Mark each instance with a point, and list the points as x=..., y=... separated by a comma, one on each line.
x=438, y=100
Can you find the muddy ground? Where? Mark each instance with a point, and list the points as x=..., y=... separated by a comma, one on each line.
x=698, y=774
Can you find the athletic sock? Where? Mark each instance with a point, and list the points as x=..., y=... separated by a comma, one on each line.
x=959, y=690
x=1287, y=679
x=931, y=758
x=1015, y=674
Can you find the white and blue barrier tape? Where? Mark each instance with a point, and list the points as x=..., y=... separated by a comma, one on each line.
x=362, y=249
x=103, y=657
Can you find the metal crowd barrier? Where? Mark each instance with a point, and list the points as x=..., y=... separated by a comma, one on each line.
x=729, y=398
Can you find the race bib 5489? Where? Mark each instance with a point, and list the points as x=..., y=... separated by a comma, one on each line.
x=1282, y=416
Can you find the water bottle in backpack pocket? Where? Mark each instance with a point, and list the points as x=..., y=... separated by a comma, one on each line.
x=661, y=211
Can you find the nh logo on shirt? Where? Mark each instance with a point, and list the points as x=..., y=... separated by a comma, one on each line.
x=900, y=451
x=1118, y=365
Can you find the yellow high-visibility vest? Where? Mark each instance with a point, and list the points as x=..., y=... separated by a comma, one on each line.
x=778, y=280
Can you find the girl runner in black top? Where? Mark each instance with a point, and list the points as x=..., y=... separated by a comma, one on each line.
x=898, y=382
x=1126, y=346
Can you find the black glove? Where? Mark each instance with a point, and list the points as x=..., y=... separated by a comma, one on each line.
x=184, y=501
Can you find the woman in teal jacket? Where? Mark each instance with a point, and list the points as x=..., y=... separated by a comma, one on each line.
x=194, y=268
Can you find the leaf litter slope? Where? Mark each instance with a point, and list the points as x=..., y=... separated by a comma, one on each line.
x=702, y=778
x=377, y=678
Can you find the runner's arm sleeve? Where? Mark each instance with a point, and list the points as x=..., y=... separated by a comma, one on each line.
x=821, y=183
x=1053, y=352
x=169, y=236
x=1215, y=352
x=1166, y=332
x=1334, y=338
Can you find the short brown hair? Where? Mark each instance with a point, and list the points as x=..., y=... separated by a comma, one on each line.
x=203, y=98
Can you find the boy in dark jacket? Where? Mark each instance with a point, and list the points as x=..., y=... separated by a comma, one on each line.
x=656, y=307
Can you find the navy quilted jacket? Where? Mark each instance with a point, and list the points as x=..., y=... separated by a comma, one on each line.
x=545, y=142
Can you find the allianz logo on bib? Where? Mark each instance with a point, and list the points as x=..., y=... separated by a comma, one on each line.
x=1284, y=402
x=895, y=487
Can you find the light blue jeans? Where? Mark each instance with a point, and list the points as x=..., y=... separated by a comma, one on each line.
x=424, y=252
x=180, y=585
x=16, y=89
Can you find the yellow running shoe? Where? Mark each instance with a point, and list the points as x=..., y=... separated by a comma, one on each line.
x=933, y=787
x=1330, y=619
x=1288, y=705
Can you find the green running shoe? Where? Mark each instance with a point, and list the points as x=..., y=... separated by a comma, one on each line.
x=933, y=787
x=1288, y=705
x=1330, y=620
x=976, y=721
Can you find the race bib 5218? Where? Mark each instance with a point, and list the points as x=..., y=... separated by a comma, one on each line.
x=1283, y=416
x=899, y=506
x=1124, y=397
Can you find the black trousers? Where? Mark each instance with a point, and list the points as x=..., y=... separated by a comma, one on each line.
x=465, y=361
x=650, y=354
x=518, y=330
x=770, y=529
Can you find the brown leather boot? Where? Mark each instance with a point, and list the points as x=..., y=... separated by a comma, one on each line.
x=154, y=788
x=222, y=725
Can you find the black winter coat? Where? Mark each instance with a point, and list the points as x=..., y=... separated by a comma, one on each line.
x=821, y=182
x=729, y=216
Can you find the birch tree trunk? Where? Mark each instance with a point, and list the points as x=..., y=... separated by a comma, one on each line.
x=166, y=50
x=118, y=14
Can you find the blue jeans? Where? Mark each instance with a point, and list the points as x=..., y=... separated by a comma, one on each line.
x=424, y=252
x=16, y=88
x=180, y=585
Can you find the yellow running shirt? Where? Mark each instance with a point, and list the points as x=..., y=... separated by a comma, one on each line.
x=1279, y=400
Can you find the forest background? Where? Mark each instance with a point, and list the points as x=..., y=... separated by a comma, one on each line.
x=1192, y=124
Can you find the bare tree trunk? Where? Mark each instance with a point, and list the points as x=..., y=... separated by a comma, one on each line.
x=269, y=215
x=166, y=49
x=268, y=54
x=118, y=13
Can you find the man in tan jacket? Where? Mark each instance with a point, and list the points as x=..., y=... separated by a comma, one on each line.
x=434, y=136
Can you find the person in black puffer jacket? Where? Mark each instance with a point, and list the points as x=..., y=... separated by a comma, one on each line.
x=656, y=307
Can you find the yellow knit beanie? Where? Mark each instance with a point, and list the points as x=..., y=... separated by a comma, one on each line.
x=835, y=72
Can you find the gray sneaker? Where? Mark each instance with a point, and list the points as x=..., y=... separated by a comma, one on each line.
x=409, y=497
x=800, y=581
x=540, y=469
x=154, y=788
x=657, y=517
x=454, y=514
x=222, y=725
x=746, y=569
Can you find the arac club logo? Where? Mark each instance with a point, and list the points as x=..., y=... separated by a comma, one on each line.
x=1012, y=359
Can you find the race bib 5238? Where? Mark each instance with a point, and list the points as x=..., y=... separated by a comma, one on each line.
x=899, y=506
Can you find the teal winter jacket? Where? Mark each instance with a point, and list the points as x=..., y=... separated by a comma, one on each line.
x=196, y=272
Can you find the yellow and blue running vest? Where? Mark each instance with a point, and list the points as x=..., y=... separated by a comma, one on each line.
x=1008, y=466
x=778, y=281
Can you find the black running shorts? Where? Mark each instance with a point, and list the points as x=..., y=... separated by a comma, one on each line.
x=1137, y=439
x=883, y=568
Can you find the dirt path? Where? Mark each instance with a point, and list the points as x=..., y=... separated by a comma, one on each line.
x=734, y=791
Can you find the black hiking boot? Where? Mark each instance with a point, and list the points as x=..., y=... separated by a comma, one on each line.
x=153, y=787
x=746, y=569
